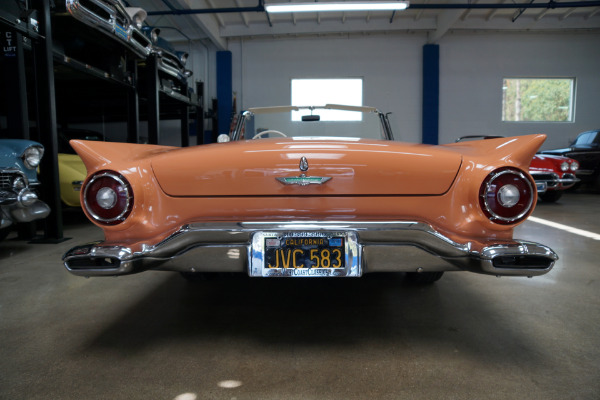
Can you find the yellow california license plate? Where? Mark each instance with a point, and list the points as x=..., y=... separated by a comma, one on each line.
x=299, y=254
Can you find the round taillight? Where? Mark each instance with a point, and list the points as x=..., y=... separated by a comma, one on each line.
x=506, y=196
x=108, y=197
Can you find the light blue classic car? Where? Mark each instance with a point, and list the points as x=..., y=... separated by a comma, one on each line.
x=19, y=202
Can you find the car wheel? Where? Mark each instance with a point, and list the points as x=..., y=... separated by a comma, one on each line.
x=424, y=278
x=551, y=196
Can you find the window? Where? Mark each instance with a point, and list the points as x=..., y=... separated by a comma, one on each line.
x=537, y=100
x=318, y=92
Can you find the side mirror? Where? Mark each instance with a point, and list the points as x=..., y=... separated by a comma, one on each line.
x=223, y=138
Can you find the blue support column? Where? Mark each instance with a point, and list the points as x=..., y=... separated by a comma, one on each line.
x=431, y=93
x=224, y=90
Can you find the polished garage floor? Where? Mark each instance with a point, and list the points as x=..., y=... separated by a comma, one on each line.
x=155, y=336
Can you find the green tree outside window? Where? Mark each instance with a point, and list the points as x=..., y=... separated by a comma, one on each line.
x=537, y=100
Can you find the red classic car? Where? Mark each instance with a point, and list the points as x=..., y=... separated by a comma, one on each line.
x=310, y=191
x=552, y=175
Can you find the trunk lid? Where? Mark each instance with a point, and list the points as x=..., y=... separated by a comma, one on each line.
x=357, y=167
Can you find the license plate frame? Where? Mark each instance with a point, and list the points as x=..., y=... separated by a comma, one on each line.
x=261, y=254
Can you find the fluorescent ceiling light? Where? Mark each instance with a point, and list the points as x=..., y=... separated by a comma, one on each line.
x=337, y=6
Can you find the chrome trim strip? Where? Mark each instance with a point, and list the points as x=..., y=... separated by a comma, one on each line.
x=303, y=180
x=187, y=248
x=84, y=14
x=570, y=178
x=141, y=44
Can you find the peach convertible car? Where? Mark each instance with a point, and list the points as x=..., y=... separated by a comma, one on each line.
x=310, y=191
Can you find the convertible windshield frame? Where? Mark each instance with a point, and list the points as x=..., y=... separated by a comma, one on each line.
x=236, y=134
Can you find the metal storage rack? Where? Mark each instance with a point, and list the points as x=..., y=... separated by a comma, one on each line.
x=39, y=79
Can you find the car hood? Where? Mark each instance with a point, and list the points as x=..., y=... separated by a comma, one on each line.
x=557, y=151
x=355, y=167
x=10, y=156
x=546, y=163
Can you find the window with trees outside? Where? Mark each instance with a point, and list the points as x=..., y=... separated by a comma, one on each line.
x=538, y=99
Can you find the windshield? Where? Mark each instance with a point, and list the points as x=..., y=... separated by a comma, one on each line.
x=326, y=121
x=586, y=139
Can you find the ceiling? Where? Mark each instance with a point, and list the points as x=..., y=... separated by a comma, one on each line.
x=218, y=21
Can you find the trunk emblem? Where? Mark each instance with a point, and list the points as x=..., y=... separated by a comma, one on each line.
x=304, y=180
x=303, y=164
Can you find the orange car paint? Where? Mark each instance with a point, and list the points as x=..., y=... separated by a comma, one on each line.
x=235, y=181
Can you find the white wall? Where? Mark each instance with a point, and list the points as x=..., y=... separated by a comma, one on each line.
x=389, y=65
x=472, y=67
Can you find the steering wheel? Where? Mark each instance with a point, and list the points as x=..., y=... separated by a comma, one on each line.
x=258, y=136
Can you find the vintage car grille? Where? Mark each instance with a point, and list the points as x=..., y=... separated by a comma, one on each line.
x=551, y=179
x=140, y=40
x=122, y=20
x=170, y=64
x=7, y=179
x=96, y=9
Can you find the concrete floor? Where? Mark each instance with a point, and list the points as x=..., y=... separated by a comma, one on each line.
x=155, y=336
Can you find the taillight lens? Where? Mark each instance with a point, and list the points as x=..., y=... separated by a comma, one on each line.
x=506, y=196
x=108, y=197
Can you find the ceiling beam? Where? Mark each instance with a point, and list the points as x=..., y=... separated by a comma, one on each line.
x=594, y=12
x=445, y=21
x=210, y=26
x=493, y=13
x=567, y=14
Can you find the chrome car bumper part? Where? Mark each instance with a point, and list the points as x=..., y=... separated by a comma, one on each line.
x=93, y=12
x=550, y=181
x=380, y=247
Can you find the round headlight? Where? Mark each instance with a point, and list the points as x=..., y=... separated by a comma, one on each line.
x=574, y=166
x=183, y=58
x=564, y=166
x=32, y=156
x=154, y=35
x=138, y=21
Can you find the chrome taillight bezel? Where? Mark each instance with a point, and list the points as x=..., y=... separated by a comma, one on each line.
x=487, y=187
x=125, y=191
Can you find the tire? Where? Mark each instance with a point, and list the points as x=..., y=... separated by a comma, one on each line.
x=551, y=196
x=424, y=278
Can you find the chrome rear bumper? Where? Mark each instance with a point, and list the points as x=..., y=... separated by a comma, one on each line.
x=383, y=247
